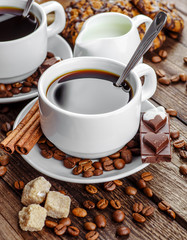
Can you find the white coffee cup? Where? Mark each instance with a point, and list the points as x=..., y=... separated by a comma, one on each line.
x=19, y=58
x=93, y=135
x=112, y=35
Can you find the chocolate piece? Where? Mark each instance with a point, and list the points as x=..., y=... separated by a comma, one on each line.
x=156, y=123
x=151, y=151
x=156, y=141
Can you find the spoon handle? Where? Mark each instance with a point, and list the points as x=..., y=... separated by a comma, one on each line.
x=27, y=8
x=152, y=32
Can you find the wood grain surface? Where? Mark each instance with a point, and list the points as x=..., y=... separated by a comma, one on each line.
x=168, y=184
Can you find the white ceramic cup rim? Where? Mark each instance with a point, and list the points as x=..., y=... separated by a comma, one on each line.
x=17, y=4
x=42, y=93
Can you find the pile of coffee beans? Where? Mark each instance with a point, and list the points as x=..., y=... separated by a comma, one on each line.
x=164, y=206
x=142, y=183
x=87, y=167
x=141, y=212
x=9, y=90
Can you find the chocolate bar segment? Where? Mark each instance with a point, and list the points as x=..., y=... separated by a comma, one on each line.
x=155, y=145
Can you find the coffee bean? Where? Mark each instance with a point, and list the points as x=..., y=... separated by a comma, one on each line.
x=89, y=204
x=160, y=73
x=88, y=167
x=175, y=79
x=92, y=235
x=163, y=53
x=6, y=127
x=65, y=221
x=126, y=155
x=115, y=204
x=174, y=134
x=49, y=143
x=89, y=226
x=19, y=185
x=9, y=94
x=115, y=155
x=69, y=162
x=141, y=184
x=132, y=144
x=171, y=213
x=118, y=182
x=91, y=189
x=97, y=172
x=102, y=160
x=15, y=90
x=88, y=174
x=137, y=207
x=118, y=216
x=77, y=170
x=108, y=165
x=4, y=159
x=110, y=186
x=43, y=146
x=47, y=153
x=183, y=154
x=123, y=231
x=163, y=205
x=136, y=151
x=59, y=155
x=146, y=176
x=27, y=84
x=171, y=112
x=85, y=161
x=130, y=190
x=119, y=163
x=25, y=89
x=185, y=59
x=164, y=80
x=100, y=221
x=148, y=192
x=102, y=204
x=50, y=224
x=183, y=77
x=179, y=143
x=79, y=212
x=156, y=59
x=17, y=85
x=60, y=229
x=2, y=88
x=97, y=165
x=73, y=231
x=148, y=211
x=138, y=217
x=3, y=170
x=183, y=169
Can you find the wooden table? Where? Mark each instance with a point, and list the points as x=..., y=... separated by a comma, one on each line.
x=168, y=184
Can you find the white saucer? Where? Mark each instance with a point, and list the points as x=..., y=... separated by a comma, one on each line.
x=55, y=169
x=60, y=48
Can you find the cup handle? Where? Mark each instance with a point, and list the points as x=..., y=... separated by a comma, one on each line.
x=60, y=19
x=150, y=80
x=139, y=19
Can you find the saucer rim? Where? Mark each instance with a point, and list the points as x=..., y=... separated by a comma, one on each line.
x=34, y=91
x=80, y=180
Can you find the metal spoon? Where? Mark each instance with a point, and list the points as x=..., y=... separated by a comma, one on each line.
x=152, y=32
x=27, y=8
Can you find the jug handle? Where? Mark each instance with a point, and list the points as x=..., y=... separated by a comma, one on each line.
x=139, y=19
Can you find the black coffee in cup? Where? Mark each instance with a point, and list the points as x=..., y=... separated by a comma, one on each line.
x=14, y=26
x=89, y=92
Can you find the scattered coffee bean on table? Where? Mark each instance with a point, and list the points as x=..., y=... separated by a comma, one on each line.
x=91, y=189
x=171, y=112
x=50, y=224
x=148, y=192
x=163, y=205
x=137, y=207
x=123, y=231
x=89, y=226
x=156, y=59
x=4, y=160
x=141, y=184
x=138, y=217
x=65, y=221
x=174, y=134
x=183, y=77
x=130, y=190
x=115, y=204
x=171, y=213
x=92, y=235
x=79, y=212
x=102, y=204
x=179, y=143
x=163, y=53
x=183, y=169
x=60, y=229
x=160, y=73
x=164, y=80
x=118, y=216
x=100, y=221
x=19, y=185
x=110, y=186
x=175, y=79
x=148, y=211
x=73, y=231
x=3, y=170
x=183, y=154
x=146, y=176
x=118, y=182
x=6, y=127
x=89, y=204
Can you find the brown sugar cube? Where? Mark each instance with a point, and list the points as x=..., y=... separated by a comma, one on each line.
x=57, y=205
x=35, y=191
x=32, y=218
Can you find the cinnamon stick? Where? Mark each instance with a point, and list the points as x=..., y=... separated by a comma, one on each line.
x=8, y=144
